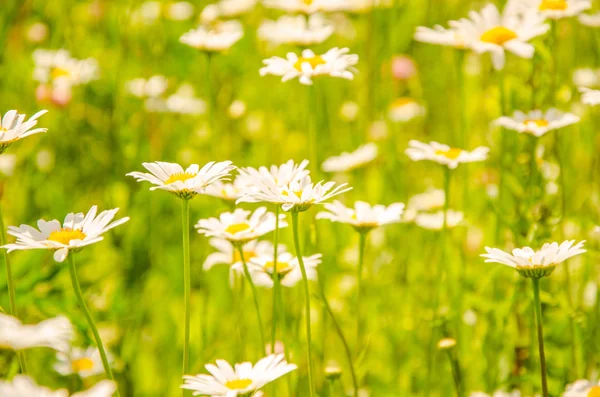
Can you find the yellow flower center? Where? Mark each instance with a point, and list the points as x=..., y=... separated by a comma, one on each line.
x=237, y=227
x=65, y=235
x=594, y=392
x=553, y=5
x=539, y=123
x=282, y=267
x=498, y=35
x=247, y=256
x=82, y=364
x=238, y=384
x=313, y=62
x=307, y=2
x=402, y=102
x=451, y=153
x=59, y=72
x=3, y=130
x=180, y=176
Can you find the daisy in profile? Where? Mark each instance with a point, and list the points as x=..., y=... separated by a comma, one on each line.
x=24, y=386
x=590, y=20
x=536, y=122
x=296, y=30
x=216, y=37
x=432, y=199
x=589, y=96
x=183, y=183
x=227, y=191
x=262, y=269
x=235, y=8
x=55, y=333
x=349, y=161
x=227, y=254
x=536, y=264
x=306, y=6
x=444, y=154
x=244, y=379
x=240, y=226
x=82, y=362
x=363, y=216
x=77, y=231
x=275, y=175
x=559, y=9
x=582, y=388
x=402, y=110
x=59, y=68
x=435, y=221
x=334, y=63
x=490, y=31
x=14, y=127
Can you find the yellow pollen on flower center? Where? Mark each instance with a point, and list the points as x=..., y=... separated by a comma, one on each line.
x=236, y=228
x=402, y=102
x=82, y=364
x=539, y=122
x=498, y=35
x=594, y=392
x=238, y=384
x=65, y=235
x=553, y=5
x=180, y=176
x=307, y=2
x=313, y=62
x=451, y=153
x=282, y=267
x=59, y=72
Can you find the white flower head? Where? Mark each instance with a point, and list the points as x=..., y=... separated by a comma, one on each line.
x=350, y=161
x=558, y=9
x=183, y=183
x=77, y=231
x=435, y=221
x=535, y=264
x=240, y=226
x=14, y=126
x=216, y=37
x=55, y=333
x=589, y=96
x=263, y=272
x=307, y=7
x=582, y=388
x=227, y=254
x=444, y=154
x=441, y=36
x=24, y=386
x=536, y=122
x=335, y=63
x=296, y=30
x=242, y=380
x=152, y=87
x=363, y=216
x=59, y=68
x=226, y=190
x=281, y=175
x=404, y=109
x=498, y=393
x=234, y=8
x=82, y=362
x=591, y=20
x=184, y=101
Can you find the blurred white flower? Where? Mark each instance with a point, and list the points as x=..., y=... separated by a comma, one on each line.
x=216, y=37
x=498, y=393
x=404, y=109
x=227, y=254
x=14, y=127
x=227, y=191
x=558, y=9
x=184, y=101
x=307, y=7
x=591, y=20
x=37, y=32
x=179, y=11
x=234, y=8
x=55, y=333
x=589, y=96
x=237, y=109
x=363, y=216
x=288, y=269
x=296, y=30
x=586, y=77
x=59, y=68
x=7, y=164
x=82, y=362
x=240, y=226
x=441, y=36
x=582, y=388
x=152, y=87
x=24, y=386
x=349, y=111
x=435, y=221
x=536, y=122
x=444, y=154
x=432, y=199
x=350, y=161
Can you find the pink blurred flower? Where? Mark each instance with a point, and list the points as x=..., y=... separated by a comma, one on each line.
x=403, y=67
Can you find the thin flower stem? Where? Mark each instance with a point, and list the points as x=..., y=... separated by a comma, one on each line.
x=11, y=287
x=306, y=303
x=89, y=318
x=185, y=228
x=254, y=295
x=504, y=143
x=359, y=276
x=312, y=109
x=540, y=333
x=276, y=281
x=210, y=97
x=454, y=365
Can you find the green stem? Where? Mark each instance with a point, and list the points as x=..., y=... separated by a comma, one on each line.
x=254, y=295
x=185, y=228
x=11, y=286
x=359, y=276
x=210, y=97
x=455, y=366
x=276, y=281
x=540, y=333
x=89, y=318
x=306, y=303
x=312, y=109
x=503, y=111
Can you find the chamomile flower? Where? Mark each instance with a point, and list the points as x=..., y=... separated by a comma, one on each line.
x=363, y=216
x=591, y=20
x=262, y=269
x=444, y=154
x=558, y=9
x=306, y=6
x=275, y=175
x=59, y=68
x=184, y=101
x=402, y=110
x=536, y=122
x=234, y=8
x=582, y=388
x=55, y=333
x=82, y=362
x=240, y=226
x=152, y=87
x=77, y=231
x=227, y=254
x=350, y=161
x=24, y=386
x=335, y=63
x=432, y=199
x=14, y=127
x=244, y=379
x=183, y=183
x=227, y=191
x=216, y=37
x=440, y=35
x=435, y=221
x=296, y=30
x=490, y=31
x=589, y=96
x=536, y=264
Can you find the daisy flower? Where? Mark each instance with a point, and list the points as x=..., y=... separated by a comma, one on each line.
x=444, y=154
x=441, y=36
x=423, y=202
x=152, y=87
x=183, y=183
x=335, y=63
x=288, y=269
x=242, y=380
x=404, y=109
x=262, y=177
x=82, y=362
x=55, y=333
x=536, y=264
x=234, y=8
x=582, y=388
x=591, y=20
x=240, y=226
x=227, y=191
x=490, y=31
x=14, y=127
x=184, y=101
x=296, y=30
x=435, y=221
x=589, y=96
x=363, y=217
x=306, y=7
x=227, y=254
x=24, y=386
x=558, y=9
x=536, y=122
x=57, y=67
x=350, y=161
x=217, y=37
x=77, y=231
